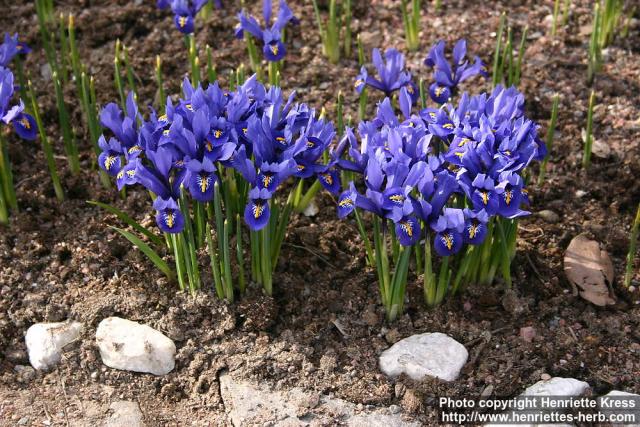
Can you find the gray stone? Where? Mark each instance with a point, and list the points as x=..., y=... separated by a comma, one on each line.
x=557, y=386
x=130, y=346
x=549, y=216
x=258, y=404
x=429, y=354
x=45, y=342
x=125, y=414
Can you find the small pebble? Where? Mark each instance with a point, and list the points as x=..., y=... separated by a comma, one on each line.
x=549, y=216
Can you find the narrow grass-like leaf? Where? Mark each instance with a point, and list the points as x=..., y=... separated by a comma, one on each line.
x=124, y=217
x=148, y=251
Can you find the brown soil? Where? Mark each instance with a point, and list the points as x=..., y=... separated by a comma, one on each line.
x=59, y=260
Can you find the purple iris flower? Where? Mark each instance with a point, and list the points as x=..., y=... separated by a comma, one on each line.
x=24, y=124
x=391, y=75
x=448, y=75
x=8, y=49
x=273, y=48
x=475, y=226
x=185, y=12
x=449, y=228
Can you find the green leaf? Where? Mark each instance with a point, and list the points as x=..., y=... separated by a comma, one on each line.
x=132, y=222
x=148, y=251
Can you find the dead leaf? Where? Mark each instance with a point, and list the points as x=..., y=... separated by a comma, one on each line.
x=590, y=270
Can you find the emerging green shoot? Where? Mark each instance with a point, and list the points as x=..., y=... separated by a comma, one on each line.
x=586, y=157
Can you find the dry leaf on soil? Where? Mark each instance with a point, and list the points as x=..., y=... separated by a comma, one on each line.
x=589, y=270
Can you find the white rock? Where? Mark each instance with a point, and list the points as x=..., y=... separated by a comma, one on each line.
x=429, y=354
x=131, y=346
x=45, y=342
x=125, y=414
x=557, y=386
x=629, y=398
x=311, y=209
x=258, y=404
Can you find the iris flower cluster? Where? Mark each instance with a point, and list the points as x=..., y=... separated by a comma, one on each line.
x=185, y=12
x=273, y=48
x=263, y=136
x=414, y=168
x=447, y=173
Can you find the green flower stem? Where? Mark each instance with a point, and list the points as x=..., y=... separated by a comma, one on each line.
x=273, y=73
x=7, y=192
x=68, y=138
x=265, y=261
x=497, y=65
x=633, y=241
x=443, y=280
x=399, y=284
x=226, y=260
x=430, y=285
x=586, y=157
x=240, y=256
x=308, y=197
x=371, y=258
x=177, y=253
x=117, y=76
x=549, y=139
x=215, y=264
x=160, y=82
x=46, y=147
x=212, y=75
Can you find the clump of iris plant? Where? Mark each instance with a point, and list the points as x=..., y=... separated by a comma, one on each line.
x=185, y=12
x=452, y=177
x=448, y=75
x=11, y=113
x=213, y=158
x=271, y=38
x=391, y=75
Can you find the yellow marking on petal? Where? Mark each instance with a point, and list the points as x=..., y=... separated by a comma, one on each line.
x=397, y=198
x=182, y=21
x=407, y=226
x=169, y=219
x=189, y=107
x=447, y=239
x=165, y=132
x=508, y=196
x=267, y=180
x=485, y=197
x=463, y=141
x=347, y=202
x=459, y=154
x=204, y=182
x=280, y=139
x=358, y=83
x=448, y=126
x=439, y=91
x=258, y=209
x=163, y=118
x=134, y=149
x=274, y=49
x=300, y=167
x=432, y=115
x=310, y=143
x=327, y=178
x=120, y=174
x=25, y=123
x=109, y=162
x=217, y=133
x=473, y=230
x=131, y=173
x=209, y=146
x=410, y=89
